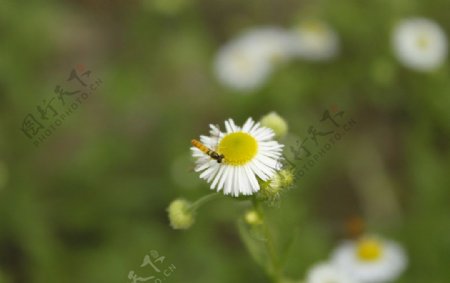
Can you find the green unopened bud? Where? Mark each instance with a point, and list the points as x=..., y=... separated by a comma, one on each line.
x=286, y=178
x=253, y=218
x=181, y=215
x=270, y=190
x=276, y=123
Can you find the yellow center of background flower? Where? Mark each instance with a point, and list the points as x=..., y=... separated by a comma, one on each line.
x=423, y=42
x=238, y=148
x=369, y=249
x=242, y=61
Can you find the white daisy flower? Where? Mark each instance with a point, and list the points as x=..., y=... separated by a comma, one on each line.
x=371, y=259
x=420, y=44
x=246, y=63
x=238, y=67
x=237, y=158
x=327, y=273
x=314, y=40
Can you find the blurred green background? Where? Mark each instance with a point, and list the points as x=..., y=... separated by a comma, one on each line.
x=90, y=202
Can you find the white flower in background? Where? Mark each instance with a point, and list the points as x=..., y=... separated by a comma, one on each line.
x=420, y=44
x=314, y=40
x=371, y=259
x=241, y=156
x=270, y=43
x=246, y=62
x=327, y=273
x=237, y=66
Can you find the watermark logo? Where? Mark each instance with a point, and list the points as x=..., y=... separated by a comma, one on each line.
x=160, y=270
x=334, y=124
x=38, y=125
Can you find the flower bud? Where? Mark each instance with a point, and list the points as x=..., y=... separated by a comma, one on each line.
x=286, y=178
x=252, y=217
x=270, y=190
x=180, y=214
x=276, y=123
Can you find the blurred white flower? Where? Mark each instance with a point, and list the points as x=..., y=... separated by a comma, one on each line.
x=246, y=62
x=238, y=67
x=327, y=273
x=235, y=160
x=420, y=44
x=371, y=259
x=314, y=40
x=270, y=43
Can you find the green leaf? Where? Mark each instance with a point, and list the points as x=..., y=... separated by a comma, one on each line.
x=288, y=246
x=255, y=243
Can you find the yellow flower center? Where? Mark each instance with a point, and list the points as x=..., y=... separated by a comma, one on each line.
x=423, y=42
x=242, y=61
x=238, y=148
x=369, y=249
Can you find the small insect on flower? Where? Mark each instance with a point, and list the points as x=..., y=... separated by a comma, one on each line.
x=208, y=151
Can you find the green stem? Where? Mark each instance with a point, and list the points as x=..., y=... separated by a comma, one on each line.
x=275, y=272
x=201, y=201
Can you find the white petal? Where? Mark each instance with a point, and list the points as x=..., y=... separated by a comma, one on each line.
x=255, y=127
x=248, y=125
x=216, y=168
x=202, y=167
x=218, y=176
x=197, y=152
x=252, y=179
x=229, y=181
x=233, y=126
x=265, y=134
x=237, y=184
x=212, y=170
x=228, y=127
x=244, y=183
x=225, y=174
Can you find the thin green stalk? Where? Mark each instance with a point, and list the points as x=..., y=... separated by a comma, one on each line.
x=201, y=201
x=275, y=272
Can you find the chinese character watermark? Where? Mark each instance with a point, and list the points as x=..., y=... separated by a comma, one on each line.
x=160, y=270
x=334, y=124
x=37, y=126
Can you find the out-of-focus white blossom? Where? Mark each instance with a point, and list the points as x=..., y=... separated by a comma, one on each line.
x=420, y=44
x=314, y=40
x=371, y=259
